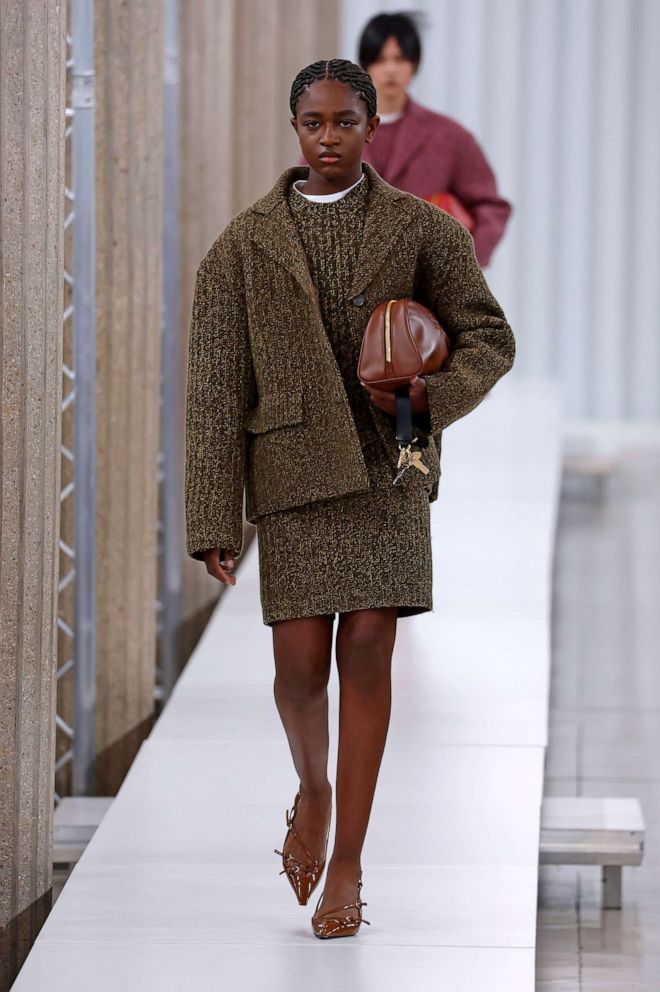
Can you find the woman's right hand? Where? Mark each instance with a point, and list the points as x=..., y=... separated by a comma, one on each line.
x=220, y=569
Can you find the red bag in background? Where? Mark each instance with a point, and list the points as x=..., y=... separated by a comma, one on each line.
x=453, y=206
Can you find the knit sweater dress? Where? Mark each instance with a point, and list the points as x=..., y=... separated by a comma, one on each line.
x=363, y=550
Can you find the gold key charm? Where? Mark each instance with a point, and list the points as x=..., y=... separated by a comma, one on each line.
x=402, y=464
x=416, y=462
x=408, y=458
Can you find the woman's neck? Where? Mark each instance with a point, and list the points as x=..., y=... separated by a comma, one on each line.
x=300, y=187
x=320, y=185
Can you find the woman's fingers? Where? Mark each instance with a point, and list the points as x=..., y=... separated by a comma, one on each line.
x=385, y=401
x=219, y=563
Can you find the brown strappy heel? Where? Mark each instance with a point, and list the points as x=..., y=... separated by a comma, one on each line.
x=304, y=876
x=332, y=924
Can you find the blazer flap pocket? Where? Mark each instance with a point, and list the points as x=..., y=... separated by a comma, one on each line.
x=280, y=410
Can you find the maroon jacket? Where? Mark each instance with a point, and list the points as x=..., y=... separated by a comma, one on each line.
x=431, y=154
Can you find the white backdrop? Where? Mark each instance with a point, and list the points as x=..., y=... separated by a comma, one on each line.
x=564, y=97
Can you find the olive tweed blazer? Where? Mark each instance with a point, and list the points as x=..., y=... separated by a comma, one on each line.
x=267, y=412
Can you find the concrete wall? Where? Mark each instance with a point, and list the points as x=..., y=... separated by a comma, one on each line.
x=32, y=109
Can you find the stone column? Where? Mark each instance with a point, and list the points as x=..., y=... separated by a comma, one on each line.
x=129, y=168
x=238, y=60
x=32, y=105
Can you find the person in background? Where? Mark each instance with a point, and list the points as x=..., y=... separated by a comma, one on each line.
x=423, y=152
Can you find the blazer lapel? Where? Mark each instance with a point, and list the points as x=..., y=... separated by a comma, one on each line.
x=386, y=218
x=411, y=137
x=275, y=232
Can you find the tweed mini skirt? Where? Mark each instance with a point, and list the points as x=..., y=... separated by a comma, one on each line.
x=356, y=552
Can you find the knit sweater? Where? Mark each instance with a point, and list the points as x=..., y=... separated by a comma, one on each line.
x=331, y=234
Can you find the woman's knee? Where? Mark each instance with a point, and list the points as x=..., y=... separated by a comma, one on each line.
x=365, y=640
x=302, y=650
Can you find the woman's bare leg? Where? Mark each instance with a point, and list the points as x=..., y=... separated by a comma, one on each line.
x=364, y=645
x=303, y=650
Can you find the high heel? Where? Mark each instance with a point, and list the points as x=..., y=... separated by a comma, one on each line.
x=332, y=924
x=304, y=876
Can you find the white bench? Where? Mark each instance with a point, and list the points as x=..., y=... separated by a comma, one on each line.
x=587, y=831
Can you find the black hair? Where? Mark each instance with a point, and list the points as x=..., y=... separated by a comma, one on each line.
x=402, y=26
x=344, y=72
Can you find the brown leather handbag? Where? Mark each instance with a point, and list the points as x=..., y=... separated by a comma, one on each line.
x=403, y=338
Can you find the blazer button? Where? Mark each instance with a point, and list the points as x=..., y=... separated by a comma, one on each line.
x=358, y=301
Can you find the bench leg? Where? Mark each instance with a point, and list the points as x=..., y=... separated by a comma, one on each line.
x=611, y=878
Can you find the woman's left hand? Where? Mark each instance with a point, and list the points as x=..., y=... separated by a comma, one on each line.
x=387, y=401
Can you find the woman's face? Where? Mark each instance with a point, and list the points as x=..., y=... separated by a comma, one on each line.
x=392, y=72
x=333, y=126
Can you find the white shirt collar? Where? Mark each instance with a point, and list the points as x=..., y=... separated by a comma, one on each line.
x=325, y=197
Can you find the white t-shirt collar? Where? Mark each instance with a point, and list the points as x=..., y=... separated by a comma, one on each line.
x=325, y=197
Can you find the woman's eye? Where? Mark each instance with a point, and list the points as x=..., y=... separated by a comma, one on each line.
x=350, y=123
x=311, y=123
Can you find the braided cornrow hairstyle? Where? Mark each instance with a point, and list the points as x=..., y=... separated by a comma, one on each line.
x=343, y=71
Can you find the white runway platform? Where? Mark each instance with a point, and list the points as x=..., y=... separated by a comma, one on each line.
x=179, y=886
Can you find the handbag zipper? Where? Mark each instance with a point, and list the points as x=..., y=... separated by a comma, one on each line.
x=388, y=332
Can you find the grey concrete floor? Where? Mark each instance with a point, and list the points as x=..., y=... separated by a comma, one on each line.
x=605, y=721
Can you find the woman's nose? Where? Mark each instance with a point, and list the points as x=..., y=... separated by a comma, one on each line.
x=329, y=136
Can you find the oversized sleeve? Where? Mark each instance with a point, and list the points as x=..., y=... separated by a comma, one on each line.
x=475, y=186
x=452, y=285
x=219, y=388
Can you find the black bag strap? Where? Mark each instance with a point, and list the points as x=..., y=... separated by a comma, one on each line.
x=405, y=431
x=404, y=426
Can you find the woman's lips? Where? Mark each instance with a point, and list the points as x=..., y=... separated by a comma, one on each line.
x=329, y=158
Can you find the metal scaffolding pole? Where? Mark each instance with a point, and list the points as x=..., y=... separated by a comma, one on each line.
x=171, y=411
x=84, y=425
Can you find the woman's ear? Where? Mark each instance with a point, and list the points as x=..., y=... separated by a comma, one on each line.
x=294, y=124
x=372, y=127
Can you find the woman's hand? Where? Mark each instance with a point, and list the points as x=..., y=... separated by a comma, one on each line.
x=419, y=401
x=220, y=569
